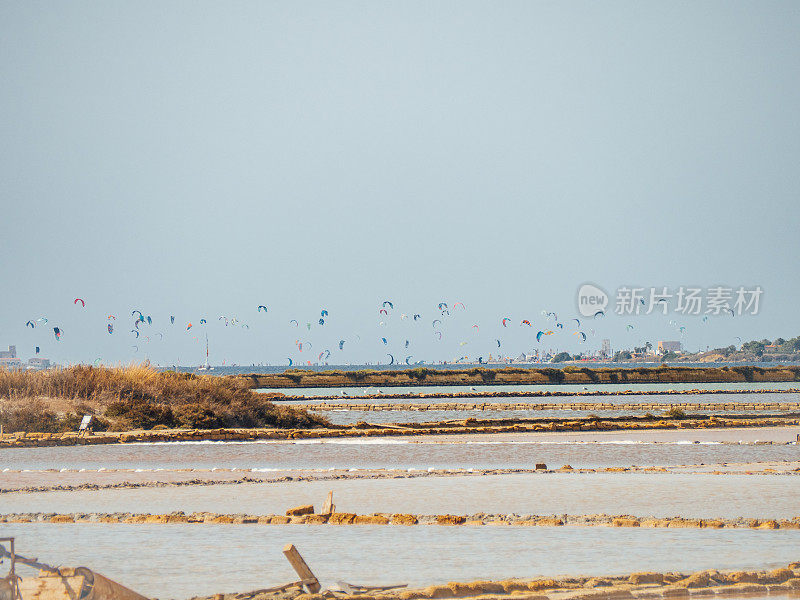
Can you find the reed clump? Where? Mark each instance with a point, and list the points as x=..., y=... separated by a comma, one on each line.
x=137, y=397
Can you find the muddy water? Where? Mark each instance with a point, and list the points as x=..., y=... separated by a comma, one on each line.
x=179, y=561
x=641, y=494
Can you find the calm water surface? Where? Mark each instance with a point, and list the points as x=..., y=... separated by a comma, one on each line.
x=640, y=494
x=179, y=561
x=349, y=417
x=590, y=387
x=375, y=453
x=246, y=370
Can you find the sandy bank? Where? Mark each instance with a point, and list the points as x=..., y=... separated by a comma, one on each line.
x=304, y=516
x=783, y=581
x=464, y=427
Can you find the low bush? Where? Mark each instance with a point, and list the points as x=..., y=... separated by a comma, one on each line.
x=675, y=413
x=137, y=397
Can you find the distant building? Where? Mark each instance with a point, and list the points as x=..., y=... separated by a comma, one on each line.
x=10, y=363
x=664, y=347
x=10, y=353
x=39, y=363
x=605, y=348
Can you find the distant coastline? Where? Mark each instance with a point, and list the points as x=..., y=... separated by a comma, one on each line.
x=571, y=374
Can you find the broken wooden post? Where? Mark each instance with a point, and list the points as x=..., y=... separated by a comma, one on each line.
x=328, y=508
x=301, y=568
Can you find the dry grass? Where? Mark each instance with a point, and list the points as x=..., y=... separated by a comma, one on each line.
x=134, y=397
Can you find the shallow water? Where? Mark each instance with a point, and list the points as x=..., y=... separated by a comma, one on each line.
x=622, y=449
x=591, y=387
x=640, y=494
x=317, y=368
x=178, y=561
x=349, y=417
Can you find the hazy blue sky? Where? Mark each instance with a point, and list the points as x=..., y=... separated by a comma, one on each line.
x=199, y=159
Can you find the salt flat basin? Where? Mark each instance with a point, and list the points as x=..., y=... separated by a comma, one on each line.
x=640, y=494
x=179, y=561
x=53, y=479
x=351, y=416
x=385, y=398
x=315, y=396
x=586, y=449
x=589, y=387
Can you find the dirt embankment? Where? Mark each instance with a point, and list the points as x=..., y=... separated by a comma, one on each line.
x=784, y=581
x=300, y=516
x=562, y=393
x=531, y=406
x=519, y=376
x=677, y=420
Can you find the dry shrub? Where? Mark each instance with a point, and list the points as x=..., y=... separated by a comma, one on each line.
x=37, y=416
x=137, y=397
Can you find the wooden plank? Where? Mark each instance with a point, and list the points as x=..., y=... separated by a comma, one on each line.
x=301, y=568
x=277, y=588
x=328, y=507
x=354, y=588
x=51, y=588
